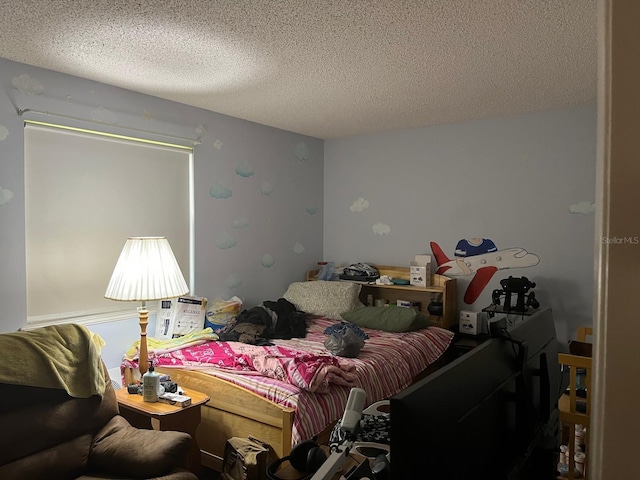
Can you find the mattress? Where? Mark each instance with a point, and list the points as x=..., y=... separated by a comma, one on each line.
x=387, y=364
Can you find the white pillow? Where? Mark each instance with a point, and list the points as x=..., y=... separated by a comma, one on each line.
x=324, y=298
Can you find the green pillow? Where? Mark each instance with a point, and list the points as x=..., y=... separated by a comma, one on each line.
x=389, y=319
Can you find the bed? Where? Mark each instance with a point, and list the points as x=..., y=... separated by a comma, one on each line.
x=251, y=401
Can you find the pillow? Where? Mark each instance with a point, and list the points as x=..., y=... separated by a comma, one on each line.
x=389, y=319
x=323, y=298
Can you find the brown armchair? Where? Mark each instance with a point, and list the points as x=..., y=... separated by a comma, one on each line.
x=50, y=434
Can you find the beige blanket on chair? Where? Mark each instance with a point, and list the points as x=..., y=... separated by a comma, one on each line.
x=58, y=356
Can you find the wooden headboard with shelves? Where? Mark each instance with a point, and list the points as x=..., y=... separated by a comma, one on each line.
x=442, y=289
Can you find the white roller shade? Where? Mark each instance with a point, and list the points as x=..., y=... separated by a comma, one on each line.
x=85, y=195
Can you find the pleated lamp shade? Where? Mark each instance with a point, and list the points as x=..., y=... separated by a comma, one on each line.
x=146, y=270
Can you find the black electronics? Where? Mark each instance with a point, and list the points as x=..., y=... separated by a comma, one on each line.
x=169, y=387
x=490, y=413
x=133, y=388
x=306, y=457
x=521, y=288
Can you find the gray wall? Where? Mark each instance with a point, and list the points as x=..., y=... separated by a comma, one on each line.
x=526, y=181
x=258, y=192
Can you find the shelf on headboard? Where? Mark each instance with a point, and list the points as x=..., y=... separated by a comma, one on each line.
x=442, y=289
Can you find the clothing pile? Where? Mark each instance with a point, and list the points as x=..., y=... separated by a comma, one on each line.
x=361, y=272
x=269, y=320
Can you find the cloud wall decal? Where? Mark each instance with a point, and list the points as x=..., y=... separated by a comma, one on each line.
x=266, y=188
x=267, y=261
x=381, y=229
x=27, y=85
x=5, y=195
x=585, y=207
x=201, y=131
x=301, y=151
x=225, y=240
x=103, y=115
x=219, y=191
x=233, y=281
x=245, y=170
x=240, y=223
x=359, y=205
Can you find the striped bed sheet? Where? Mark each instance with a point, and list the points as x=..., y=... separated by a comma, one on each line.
x=386, y=365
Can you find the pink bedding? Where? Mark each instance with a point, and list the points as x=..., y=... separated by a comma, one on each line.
x=313, y=372
x=315, y=383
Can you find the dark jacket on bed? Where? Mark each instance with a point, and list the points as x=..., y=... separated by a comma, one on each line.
x=270, y=320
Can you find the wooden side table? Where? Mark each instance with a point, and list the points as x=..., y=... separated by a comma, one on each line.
x=162, y=416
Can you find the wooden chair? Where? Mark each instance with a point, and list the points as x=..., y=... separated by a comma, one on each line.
x=570, y=403
x=583, y=333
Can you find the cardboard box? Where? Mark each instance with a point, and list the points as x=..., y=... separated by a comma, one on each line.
x=419, y=275
x=420, y=271
x=175, y=399
x=422, y=259
x=472, y=323
x=180, y=316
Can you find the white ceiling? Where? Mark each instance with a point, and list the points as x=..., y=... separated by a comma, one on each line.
x=320, y=67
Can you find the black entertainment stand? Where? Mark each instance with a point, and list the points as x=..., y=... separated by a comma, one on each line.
x=463, y=343
x=490, y=412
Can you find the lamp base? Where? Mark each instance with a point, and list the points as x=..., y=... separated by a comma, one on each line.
x=143, y=358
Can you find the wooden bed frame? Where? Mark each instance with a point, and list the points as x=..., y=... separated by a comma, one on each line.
x=236, y=412
x=232, y=411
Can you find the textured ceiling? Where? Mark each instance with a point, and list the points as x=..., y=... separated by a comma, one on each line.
x=319, y=67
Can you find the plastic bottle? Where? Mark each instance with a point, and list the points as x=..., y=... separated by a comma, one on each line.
x=150, y=385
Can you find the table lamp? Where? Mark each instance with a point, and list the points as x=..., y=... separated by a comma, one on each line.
x=146, y=270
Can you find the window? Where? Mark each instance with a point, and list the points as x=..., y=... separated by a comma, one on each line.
x=85, y=193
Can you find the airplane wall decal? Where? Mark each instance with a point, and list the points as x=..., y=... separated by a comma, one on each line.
x=482, y=266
